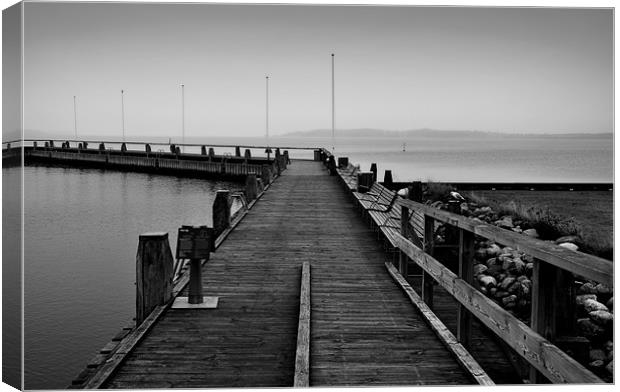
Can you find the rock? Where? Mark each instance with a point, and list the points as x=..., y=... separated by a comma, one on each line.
x=437, y=204
x=505, y=222
x=610, y=303
x=478, y=212
x=591, y=305
x=587, y=288
x=499, y=294
x=580, y=299
x=487, y=281
x=601, y=317
x=608, y=346
x=597, y=355
x=596, y=364
x=602, y=289
x=529, y=269
x=517, y=229
x=589, y=329
x=610, y=367
x=514, y=288
x=569, y=245
x=480, y=254
x=527, y=258
x=507, y=282
x=509, y=301
x=493, y=250
x=516, y=266
x=610, y=356
x=568, y=238
x=531, y=233
x=479, y=269
x=491, y=262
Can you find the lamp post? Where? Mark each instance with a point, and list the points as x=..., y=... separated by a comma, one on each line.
x=267, y=108
x=123, y=112
x=333, y=105
x=75, y=116
x=183, y=117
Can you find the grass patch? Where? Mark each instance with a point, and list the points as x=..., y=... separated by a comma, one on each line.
x=437, y=191
x=538, y=214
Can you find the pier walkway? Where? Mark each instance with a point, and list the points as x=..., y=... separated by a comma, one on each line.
x=364, y=330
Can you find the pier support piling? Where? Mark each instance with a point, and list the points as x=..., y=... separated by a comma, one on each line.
x=154, y=268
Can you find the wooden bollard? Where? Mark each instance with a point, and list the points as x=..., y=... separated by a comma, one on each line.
x=101, y=147
x=317, y=155
x=47, y=144
x=343, y=162
x=34, y=145
x=67, y=144
x=154, y=269
x=203, y=150
x=147, y=147
x=248, y=154
x=415, y=191
x=221, y=211
x=173, y=148
x=85, y=145
x=373, y=169
x=265, y=175
x=123, y=147
x=177, y=150
x=237, y=151
x=51, y=143
x=80, y=146
x=211, y=153
x=8, y=146
x=286, y=157
x=387, y=178
x=364, y=181
x=251, y=187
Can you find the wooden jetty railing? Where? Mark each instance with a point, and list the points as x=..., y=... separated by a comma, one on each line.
x=552, y=307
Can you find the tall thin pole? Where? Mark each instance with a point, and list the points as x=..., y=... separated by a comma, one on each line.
x=333, y=105
x=267, y=108
x=75, y=117
x=183, y=117
x=123, y=112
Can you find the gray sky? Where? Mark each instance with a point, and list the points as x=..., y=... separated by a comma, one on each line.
x=506, y=70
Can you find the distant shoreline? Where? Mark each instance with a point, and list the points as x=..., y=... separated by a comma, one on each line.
x=369, y=133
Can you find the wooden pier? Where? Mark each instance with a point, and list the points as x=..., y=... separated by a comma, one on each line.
x=328, y=278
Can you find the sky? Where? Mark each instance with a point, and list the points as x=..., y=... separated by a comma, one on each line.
x=526, y=70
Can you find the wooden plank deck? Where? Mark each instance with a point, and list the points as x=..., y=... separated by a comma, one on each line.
x=364, y=330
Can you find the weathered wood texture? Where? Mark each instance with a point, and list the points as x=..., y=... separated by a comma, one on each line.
x=364, y=330
x=302, y=356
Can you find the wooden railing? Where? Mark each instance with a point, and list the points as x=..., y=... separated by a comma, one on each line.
x=552, y=307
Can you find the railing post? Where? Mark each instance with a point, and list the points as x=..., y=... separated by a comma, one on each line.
x=387, y=179
x=286, y=158
x=101, y=147
x=403, y=260
x=154, y=269
x=331, y=165
x=265, y=175
x=466, y=272
x=373, y=169
x=317, y=155
x=248, y=154
x=221, y=211
x=123, y=147
x=553, y=305
x=429, y=244
x=34, y=145
x=203, y=150
x=237, y=151
x=343, y=162
x=85, y=145
x=211, y=153
x=147, y=148
x=251, y=187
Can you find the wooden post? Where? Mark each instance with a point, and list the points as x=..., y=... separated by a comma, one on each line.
x=387, y=179
x=52, y=143
x=123, y=147
x=173, y=149
x=286, y=157
x=343, y=162
x=203, y=150
x=221, y=211
x=251, y=187
x=84, y=144
x=194, y=295
x=177, y=150
x=248, y=154
x=80, y=146
x=101, y=147
x=211, y=153
x=415, y=191
x=403, y=260
x=553, y=305
x=429, y=244
x=147, y=147
x=364, y=181
x=331, y=165
x=34, y=145
x=154, y=268
x=317, y=155
x=237, y=151
x=373, y=169
x=466, y=272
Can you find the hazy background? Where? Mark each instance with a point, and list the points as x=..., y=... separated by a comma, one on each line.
x=507, y=70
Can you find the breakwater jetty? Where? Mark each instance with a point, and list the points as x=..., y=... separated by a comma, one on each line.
x=327, y=277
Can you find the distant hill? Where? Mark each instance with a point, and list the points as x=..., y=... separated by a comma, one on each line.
x=427, y=132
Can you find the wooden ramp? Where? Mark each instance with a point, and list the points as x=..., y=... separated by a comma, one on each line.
x=364, y=330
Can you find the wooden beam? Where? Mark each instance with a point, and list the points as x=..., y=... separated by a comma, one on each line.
x=403, y=259
x=552, y=362
x=447, y=338
x=466, y=272
x=302, y=355
x=429, y=245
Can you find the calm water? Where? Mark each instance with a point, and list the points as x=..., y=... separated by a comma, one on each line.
x=82, y=226
x=81, y=236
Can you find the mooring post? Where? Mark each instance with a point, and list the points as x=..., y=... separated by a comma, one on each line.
x=123, y=147
x=173, y=149
x=211, y=153
x=85, y=145
x=79, y=146
x=154, y=269
x=177, y=150
x=343, y=162
x=317, y=155
x=251, y=187
x=265, y=174
x=248, y=154
x=452, y=233
x=221, y=211
x=101, y=147
x=387, y=179
x=34, y=145
x=364, y=181
x=237, y=151
x=373, y=169
x=286, y=157
x=51, y=143
x=147, y=148
x=466, y=272
x=331, y=165
x=203, y=150
x=429, y=244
